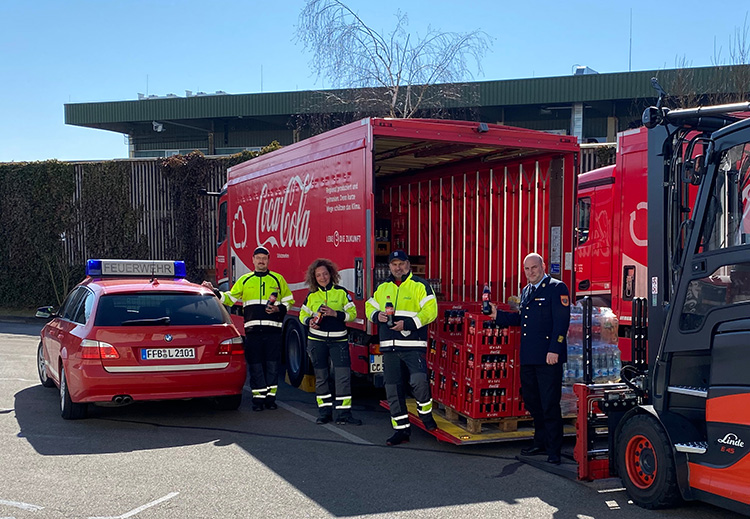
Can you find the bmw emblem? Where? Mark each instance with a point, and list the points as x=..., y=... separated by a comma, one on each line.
x=168, y=337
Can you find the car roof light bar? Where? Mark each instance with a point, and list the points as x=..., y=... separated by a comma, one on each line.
x=135, y=268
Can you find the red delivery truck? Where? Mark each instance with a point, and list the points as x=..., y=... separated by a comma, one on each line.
x=611, y=241
x=467, y=201
x=611, y=232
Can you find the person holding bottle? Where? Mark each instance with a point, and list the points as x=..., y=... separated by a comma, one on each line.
x=326, y=310
x=265, y=298
x=406, y=301
x=544, y=319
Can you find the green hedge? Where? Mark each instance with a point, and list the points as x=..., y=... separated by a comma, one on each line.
x=41, y=209
x=36, y=214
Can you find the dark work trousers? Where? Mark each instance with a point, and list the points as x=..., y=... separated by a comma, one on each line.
x=414, y=360
x=338, y=351
x=263, y=354
x=541, y=386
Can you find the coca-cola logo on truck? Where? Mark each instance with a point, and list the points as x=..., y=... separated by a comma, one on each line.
x=283, y=220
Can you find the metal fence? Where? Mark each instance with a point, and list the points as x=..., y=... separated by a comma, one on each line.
x=150, y=194
x=590, y=156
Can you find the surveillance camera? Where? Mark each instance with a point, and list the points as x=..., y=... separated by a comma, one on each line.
x=158, y=127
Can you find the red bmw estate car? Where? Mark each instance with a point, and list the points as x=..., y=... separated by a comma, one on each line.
x=134, y=331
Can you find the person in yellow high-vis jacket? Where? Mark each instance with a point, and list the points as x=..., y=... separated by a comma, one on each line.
x=326, y=310
x=404, y=343
x=265, y=298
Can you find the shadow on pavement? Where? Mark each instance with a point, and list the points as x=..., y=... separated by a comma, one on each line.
x=345, y=478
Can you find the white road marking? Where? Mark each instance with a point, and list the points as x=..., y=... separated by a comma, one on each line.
x=307, y=416
x=612, y=505
x=17, y=380
x=22, y=506
x=349, y=436
x=140, y=508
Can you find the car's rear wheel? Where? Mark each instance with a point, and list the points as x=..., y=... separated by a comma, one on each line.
x=295, y=341
x=228, y=402
x=69, y=410
x=41, y=367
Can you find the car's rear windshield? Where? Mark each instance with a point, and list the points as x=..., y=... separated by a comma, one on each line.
x=164, y=308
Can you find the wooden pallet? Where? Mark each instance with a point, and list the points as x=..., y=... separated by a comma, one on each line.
x=474, y=425
x=454, y=427
x=501, y=423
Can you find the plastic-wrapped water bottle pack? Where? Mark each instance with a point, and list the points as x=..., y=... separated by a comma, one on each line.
x=605, y=353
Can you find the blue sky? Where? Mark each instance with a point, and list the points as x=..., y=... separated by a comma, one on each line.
x=56, y=52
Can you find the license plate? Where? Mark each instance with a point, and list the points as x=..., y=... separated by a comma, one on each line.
x=376, y=363
x=167, y=353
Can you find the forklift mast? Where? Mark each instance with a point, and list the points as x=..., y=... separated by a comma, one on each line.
x=681, y=154
x=692, y=433
x=681, y=431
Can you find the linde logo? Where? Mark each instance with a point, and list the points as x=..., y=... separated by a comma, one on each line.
x=731, y=439
x=283, y=220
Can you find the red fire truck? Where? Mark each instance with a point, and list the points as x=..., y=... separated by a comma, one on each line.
x=467, y=201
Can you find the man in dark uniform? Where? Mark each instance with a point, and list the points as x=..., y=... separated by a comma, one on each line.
x=544, y=318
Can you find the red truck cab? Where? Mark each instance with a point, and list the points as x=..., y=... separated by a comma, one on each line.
x=611, y=232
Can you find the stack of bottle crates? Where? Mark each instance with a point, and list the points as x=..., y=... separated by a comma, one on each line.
x=444, y=353
x=472, y=363
x=490, y=379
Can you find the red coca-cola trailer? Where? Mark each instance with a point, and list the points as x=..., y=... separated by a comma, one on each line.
x=467, y=201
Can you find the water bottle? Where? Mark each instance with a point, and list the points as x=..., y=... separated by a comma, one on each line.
x=616, y=364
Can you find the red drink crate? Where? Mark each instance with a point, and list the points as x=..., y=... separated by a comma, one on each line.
x=518, y=408
x=454, y=359
x=493, y=366
x=441, y=388
x=487, y=400
x=450, y=319
x=455, y=394
x=432, y=352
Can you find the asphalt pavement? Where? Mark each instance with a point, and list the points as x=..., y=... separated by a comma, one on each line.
x=186, y=459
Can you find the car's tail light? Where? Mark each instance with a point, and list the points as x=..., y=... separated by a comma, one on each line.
x=233, y=346
x=98, y=350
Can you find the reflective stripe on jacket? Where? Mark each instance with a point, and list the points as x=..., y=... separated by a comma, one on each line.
x=414, y=303
x=335, y=297
x=254, y=289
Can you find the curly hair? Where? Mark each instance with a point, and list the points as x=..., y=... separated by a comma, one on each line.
x=333, y=270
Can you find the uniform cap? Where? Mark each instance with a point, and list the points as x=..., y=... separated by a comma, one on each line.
x=261, y=250
x=398, y=255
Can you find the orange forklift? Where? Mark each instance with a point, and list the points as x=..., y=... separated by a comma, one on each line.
x=678, y=426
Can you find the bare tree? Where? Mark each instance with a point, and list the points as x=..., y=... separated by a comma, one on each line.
x=394, y=74
x=739, y=47
x=729, y=81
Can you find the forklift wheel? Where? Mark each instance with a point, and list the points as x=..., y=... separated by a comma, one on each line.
x=646, y=464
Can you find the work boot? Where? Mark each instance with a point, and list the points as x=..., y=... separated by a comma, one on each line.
x=271, y=404
x=257, y=407
x=398, y=438
x=429, y=422
x=348, y=419
x=324, y=419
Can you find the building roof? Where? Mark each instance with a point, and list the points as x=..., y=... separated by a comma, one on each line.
x=262, y=114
